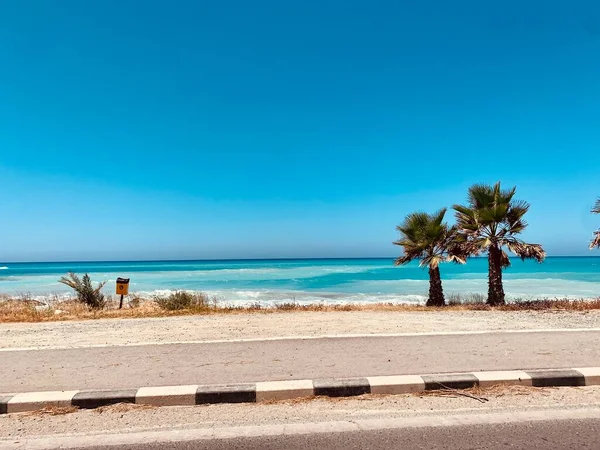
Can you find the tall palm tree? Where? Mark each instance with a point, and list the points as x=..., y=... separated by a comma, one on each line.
x=426, y=237
x=490, y=221
x=596, y=239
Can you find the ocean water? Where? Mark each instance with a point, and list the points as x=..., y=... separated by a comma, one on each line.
x=312, y=280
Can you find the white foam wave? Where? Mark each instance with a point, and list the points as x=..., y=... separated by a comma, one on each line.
x=287, y=271
x=525, y=288
x=267, y=297
x=4, y=268
x=270, y=297
x=221, y=271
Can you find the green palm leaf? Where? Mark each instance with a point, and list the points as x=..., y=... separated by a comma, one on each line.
x=426, y=238
x=84, y=289
x=492, y=219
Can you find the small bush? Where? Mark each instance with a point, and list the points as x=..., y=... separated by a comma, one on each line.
x=86, y=293
x=287, y=306
x=556, y=304
x=471, y=299
x=183, y=300
x=135, y=300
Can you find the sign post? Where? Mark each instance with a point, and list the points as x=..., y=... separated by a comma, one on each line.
x=122, y=289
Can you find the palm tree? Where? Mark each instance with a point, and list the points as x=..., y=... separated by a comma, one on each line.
x=596, y=239
x=426, y=237
x=491, y=221
x=86, y=292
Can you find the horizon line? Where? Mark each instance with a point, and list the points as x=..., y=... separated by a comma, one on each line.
x=250, y=259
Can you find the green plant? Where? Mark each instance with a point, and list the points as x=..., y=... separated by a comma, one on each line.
x=491, y=220
x=596, y=239
x=86, y=292
x=426, y=237
x=179, y=300
x=455, y=299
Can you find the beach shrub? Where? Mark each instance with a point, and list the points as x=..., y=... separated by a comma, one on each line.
x=455, y=299
x=85, y=291
x=183, y=300
x=135, y=300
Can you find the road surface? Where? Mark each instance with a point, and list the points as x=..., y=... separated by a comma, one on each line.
x=551, y=435
x=551, y=428
x=264, y=360
x=510, y=418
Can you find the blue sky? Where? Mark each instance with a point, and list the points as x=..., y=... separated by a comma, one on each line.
x=235, y=129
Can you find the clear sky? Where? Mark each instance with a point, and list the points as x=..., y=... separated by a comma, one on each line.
x=237, y=129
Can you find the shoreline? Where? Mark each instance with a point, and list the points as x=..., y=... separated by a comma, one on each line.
x=26, y=310
x=272, y=298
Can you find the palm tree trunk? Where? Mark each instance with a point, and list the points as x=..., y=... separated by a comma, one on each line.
x=495, y=287
x=436, y=293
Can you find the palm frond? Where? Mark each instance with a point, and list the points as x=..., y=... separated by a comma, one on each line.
x=404, y=259
x=435, y=260
x=85, y=290
x=499, y=211
x=480, y=196
x=461, y=247
x=458, y=259
x=491, y=216
x=595, y=240
x=513, y=228
x=526, y=251
x=504, y=260
x=466, y=218
x=506, y=195
x=515, y=222
x=438, y=216
x=71, y=280
x=424, y=237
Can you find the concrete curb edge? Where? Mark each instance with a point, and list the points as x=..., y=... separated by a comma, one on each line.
x=293, y=389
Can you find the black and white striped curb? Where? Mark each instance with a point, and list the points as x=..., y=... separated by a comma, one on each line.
x=286, y=390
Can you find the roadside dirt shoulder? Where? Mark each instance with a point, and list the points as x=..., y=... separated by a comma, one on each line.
x=74, y=334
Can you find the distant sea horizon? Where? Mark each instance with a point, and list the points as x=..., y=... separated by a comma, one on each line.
x=310, y=280
x=591, y=255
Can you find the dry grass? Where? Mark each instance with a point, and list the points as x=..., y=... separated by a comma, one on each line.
x=498, y=390
x=53, y=411
x=503, y=390
x=291, y=401
x=24, y=309
x=122, y=408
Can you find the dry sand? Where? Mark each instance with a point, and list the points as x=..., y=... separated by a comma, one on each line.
x=73, y=334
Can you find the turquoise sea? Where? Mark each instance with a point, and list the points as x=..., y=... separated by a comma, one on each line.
x=312, y=280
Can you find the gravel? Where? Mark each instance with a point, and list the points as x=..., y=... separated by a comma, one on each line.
x=289, y=324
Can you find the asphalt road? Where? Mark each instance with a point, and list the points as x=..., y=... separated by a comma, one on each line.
x=550, y=435
x=235, y=362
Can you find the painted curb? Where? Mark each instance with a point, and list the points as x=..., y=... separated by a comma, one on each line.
x=286, y=390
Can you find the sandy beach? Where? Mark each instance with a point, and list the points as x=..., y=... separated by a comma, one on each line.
x=73, y=334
